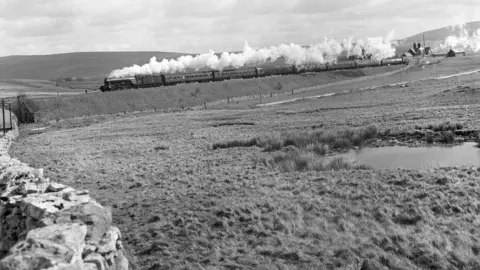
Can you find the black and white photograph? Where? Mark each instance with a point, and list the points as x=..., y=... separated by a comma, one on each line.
x=239, y=134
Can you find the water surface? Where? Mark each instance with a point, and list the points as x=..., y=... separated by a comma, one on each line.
x=417, y=157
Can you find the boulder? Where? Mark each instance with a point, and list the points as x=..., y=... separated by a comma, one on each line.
x=97, y=219
x=54, y=246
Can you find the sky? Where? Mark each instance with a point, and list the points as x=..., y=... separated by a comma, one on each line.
x=29, y=27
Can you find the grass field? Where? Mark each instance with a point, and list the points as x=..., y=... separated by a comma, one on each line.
x=181, y=204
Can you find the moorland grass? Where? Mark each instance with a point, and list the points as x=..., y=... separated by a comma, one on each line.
x=335, y=140
x=307, y=160
x=443, y=126
x=306, y=151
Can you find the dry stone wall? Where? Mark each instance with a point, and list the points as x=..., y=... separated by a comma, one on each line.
x=47, y=225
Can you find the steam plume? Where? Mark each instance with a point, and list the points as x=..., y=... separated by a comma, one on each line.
x=327, y=51
x=464, y=41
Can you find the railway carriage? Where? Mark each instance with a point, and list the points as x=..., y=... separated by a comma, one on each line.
x=342, y=65
x=204, y=76
x=367, y=63
x=172, y=79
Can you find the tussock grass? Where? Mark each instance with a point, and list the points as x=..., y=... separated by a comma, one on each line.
x=447, y=137
x=236, y=143
x=308, y=160
x=161, y=147
x=306, y=151
x=335, y=140
x=444, y=126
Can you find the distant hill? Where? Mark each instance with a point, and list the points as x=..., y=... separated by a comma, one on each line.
x=434, y=38
x=81, y=64
x=99, y=64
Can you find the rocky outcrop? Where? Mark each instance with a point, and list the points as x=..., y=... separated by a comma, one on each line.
x=47, y=225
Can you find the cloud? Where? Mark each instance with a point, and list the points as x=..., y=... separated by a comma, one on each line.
x=57, y=26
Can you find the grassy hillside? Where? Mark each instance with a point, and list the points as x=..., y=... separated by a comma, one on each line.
x=185, y=95
x=82, y=64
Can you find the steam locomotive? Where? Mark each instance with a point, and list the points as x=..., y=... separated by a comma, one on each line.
x=155, y=80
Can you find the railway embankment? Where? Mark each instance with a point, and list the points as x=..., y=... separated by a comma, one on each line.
x=44, y=224
x=188, y=95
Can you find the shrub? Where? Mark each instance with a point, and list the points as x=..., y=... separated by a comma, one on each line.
x=278, y=86
x=370, y=132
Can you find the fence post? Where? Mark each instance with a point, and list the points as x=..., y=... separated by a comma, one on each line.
x=10, y=110
x=19, y=117
x=3, y=115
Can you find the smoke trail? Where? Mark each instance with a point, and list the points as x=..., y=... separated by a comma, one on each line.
x=464, y=41
x=327, y=51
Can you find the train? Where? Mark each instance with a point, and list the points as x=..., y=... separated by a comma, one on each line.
x=156, y=80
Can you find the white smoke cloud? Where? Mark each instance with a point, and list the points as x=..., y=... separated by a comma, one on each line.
x=464, y=41
x=327, y=51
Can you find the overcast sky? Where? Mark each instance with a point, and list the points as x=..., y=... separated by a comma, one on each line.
x=59, y=26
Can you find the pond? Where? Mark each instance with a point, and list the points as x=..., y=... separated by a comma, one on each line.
x=417, y=157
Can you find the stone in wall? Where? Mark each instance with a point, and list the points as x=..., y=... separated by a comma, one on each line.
x=46, y=225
